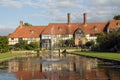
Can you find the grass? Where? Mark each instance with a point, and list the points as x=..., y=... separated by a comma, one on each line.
x=104, y=55
x=9, y=55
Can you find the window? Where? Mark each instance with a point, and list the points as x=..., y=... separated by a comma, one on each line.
x=20, y=39
x=95, y=28
x=31, y=39
x=118, y=24
x=60, y=28
x=64, y=35
x=31, y=31
x=12, y=38
x=93, y=35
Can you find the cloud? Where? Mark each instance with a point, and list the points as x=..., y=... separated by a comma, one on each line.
x=19, y=3
x=4, y=30
x=100, y=10
x=10, y=3
x=57, y=9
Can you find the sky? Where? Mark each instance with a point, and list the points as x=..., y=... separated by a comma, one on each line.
x=43, y=12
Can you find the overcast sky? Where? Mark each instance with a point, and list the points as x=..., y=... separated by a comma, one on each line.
x=43, y=12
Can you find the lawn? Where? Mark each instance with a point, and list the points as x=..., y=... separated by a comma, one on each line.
x=106, y=55
x=10, y=55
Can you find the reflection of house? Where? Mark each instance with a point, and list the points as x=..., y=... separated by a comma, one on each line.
x=27, y=70
x=15, y=66
x=78, y=68
x=57, y=32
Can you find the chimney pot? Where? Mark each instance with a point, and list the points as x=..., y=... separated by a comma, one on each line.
x=21, y=24
x=68, y=18
x=85, y=18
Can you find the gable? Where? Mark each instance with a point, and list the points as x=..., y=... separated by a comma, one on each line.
x=78, y=33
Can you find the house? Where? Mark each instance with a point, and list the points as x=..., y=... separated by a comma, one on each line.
x=54, y=33
x=27, y=33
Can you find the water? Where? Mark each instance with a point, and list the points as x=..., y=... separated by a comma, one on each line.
x=71, y=68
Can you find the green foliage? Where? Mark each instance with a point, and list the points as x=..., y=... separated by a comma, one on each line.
x=100, y=38
x=27, y=24
x=32, y=46
x=69, y=42
x=117, y=17
x=24, y=46
x=21, y=45
x=4, y=44
x=8, y=55
x=110, y=41
x=89, y=43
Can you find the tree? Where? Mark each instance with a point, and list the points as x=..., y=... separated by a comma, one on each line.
x=100, y=38
x=69, y=42
x=21, y=45
x=32, y=46
x=4, y=44
x=89, y=43
x=117, y=17
x=27, y=24
x=110, y=41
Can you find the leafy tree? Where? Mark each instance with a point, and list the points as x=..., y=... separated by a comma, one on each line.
x=32, y=46
x=4, y=44
x=27, y=24
x=117, y=17
x=69, y=42
x=21, y=45
x=89, y=43
x=110, y=41
x=100, y=37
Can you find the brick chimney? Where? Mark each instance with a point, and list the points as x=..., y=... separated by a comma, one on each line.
x=85, y=18
x=21, y=24
x=68, y=16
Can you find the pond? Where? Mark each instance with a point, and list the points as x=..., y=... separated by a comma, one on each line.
x=68, y=67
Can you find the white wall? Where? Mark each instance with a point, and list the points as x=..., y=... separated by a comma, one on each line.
x=89, y=38
x=13, y=41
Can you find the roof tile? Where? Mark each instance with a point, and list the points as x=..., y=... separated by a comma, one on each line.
x=27, y=32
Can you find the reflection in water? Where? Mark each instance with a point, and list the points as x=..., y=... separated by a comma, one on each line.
x=74, y=68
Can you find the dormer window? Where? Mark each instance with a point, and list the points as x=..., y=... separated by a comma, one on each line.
x=60, y=28
x=95, y=28
x=118, y=24
x=32, y=31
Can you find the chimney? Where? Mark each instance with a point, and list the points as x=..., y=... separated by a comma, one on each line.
x=68, y=15
x=21, y=24
x=85, y=18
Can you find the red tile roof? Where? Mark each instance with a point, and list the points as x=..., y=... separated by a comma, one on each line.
x=58, y=28
x=89, y=28
x=94, y=28
x=27, y=32
x=114, y=24
x=62, y=28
